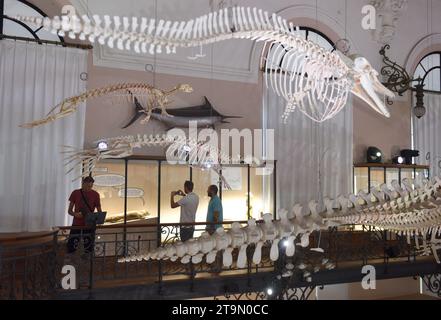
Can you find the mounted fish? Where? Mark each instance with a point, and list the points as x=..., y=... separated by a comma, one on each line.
x=205, y=115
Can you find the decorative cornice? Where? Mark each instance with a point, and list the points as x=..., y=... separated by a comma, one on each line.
x=248, y=72
x=112, y=58
x=388, y=13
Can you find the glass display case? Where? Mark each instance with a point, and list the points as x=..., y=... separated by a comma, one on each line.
x=367, y=175
x=137, y=190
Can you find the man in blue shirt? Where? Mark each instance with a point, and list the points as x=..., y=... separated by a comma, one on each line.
x=214, y=213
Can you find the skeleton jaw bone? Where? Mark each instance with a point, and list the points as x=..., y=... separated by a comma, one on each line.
x=367, y=86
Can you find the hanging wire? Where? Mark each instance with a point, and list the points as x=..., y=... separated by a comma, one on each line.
x=155, y=51
x=316, y=19
x=212, y=74
x=317, y=127
x=346, y=19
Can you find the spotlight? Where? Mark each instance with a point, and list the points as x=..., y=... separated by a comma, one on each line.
x=186, y=148
x=286, y=243
x=208, y=164
x=269, y=291
x=398, y=160
x=102, y=145
x=374, y=155
x=408, y=155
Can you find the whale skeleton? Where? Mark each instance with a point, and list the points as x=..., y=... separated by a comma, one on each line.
x=312, y=79
x=413, y=211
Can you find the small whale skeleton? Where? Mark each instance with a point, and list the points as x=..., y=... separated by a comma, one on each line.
x=314, y=80
x=413, y=210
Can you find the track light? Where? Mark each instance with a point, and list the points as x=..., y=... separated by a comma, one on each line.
x=408, y=155
x=374, y=155
x=398, y=160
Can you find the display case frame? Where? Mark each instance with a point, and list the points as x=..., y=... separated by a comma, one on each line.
x=385, y=167
x=160, y=163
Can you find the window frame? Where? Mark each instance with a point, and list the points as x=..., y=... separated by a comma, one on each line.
x=427, y=72
x=33, y=32
x=309, y=32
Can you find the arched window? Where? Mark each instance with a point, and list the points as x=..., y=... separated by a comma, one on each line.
x=272, y=62
x=429, y=69
x=12, y=27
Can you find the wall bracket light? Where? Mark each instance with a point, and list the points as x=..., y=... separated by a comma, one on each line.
x=398, y=80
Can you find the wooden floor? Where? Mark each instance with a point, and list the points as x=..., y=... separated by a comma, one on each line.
x=414, y=297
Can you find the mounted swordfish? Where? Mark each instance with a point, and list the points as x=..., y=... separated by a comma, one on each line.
x=205, y=115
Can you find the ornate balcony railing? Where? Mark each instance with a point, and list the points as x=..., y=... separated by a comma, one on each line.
x=27, y=266
x=36, y=269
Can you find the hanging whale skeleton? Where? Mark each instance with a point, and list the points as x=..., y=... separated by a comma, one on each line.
x=413, y=211
x=312, y=79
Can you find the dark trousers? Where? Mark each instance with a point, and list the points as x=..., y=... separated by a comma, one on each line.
x=186, y=233
x=88, y=237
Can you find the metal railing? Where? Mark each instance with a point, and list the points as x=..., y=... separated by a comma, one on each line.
x=27, y=266
x=34, y=269
x=115, y=242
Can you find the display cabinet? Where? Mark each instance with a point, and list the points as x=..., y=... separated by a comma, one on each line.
x=137, y=190
x=367, y=175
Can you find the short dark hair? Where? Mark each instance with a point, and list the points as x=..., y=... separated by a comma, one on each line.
x=214, y=188
x=189, y=185
x=88, y=179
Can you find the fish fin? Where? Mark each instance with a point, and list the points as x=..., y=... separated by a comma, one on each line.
x=232, y=117
x=138, y=106
x=139, y=110
x=169, y=128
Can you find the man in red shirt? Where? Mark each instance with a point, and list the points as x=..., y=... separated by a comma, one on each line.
x=83, y=201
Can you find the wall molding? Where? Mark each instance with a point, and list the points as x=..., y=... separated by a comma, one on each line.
x=248, y=72
x=327, y=24
x=129, y=60
x=424, y=46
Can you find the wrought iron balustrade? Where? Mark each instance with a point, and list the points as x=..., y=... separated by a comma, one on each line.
x=34, y=270
x=27, y=267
